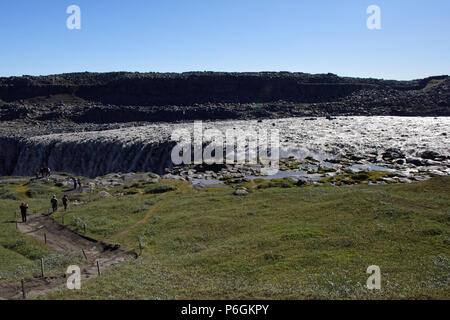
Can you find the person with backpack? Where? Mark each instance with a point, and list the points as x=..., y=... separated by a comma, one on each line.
x=74, y=183
x=54, y=203
x=65, y=201
x=23, y=211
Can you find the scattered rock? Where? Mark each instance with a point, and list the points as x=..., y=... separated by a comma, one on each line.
x=300, y=183
x=240, y=192
x=431, y=155
x=392, y=153
x=415, y=161
x=104, y=194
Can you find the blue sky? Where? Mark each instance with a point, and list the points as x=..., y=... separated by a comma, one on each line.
x=227, y=35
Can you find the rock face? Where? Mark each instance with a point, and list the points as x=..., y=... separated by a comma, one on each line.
x=91, y=156
x=128, y=97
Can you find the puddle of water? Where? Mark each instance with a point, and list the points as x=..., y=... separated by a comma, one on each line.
x=297, y=174
x=294, y=174
x=328, y=164
x=368, y=166
x=206, y=182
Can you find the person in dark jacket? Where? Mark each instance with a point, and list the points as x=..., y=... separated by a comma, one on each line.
x=54, y=202
x=23, y=211
x=74, y=183
x=65, y=201
x=79, y=184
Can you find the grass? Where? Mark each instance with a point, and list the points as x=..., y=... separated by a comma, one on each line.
x=277, y=242
x=105, y=217
x=351, y=177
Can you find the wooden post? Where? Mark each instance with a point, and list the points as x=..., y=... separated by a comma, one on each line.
x=24, y=294
x=42, y=267
x=45, y=238
x=140, y=248
x=17, y=227
x=84, y=254
x=84, y=227
x=98, y=268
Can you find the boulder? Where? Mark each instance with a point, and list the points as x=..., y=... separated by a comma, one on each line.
x=392, y=153
x=415, y=161
x=431, y=155
x=240, y=192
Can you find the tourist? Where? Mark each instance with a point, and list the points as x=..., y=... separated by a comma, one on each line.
x=54, y=202
x=23, y=211
x=65, y=201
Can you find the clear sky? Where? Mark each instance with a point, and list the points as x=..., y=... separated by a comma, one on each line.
x=317, y=36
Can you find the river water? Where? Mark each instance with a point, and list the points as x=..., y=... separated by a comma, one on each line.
x=148, y=148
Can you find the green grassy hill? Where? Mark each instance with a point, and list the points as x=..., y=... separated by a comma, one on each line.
x=278, y=242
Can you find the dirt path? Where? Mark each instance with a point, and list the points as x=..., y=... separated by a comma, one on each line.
x=61, y=239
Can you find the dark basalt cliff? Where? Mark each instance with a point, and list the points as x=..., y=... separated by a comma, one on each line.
x=125, y=97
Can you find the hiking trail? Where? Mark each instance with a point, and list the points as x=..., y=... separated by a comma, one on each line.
x=62, y=239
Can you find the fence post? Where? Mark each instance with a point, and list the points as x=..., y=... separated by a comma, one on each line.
x=98, y=268
x=24, y=294
x=140, y=247
x=84, y=254
x=42, y=267
x=45, y=238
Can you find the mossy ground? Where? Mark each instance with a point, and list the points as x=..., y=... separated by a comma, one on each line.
x=351, y=177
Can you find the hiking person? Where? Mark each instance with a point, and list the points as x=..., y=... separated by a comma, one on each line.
x=54, y=202
x=23, y=211
x=46, y=172
x=79, y=183
x=74, y=183
x=65, y=201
